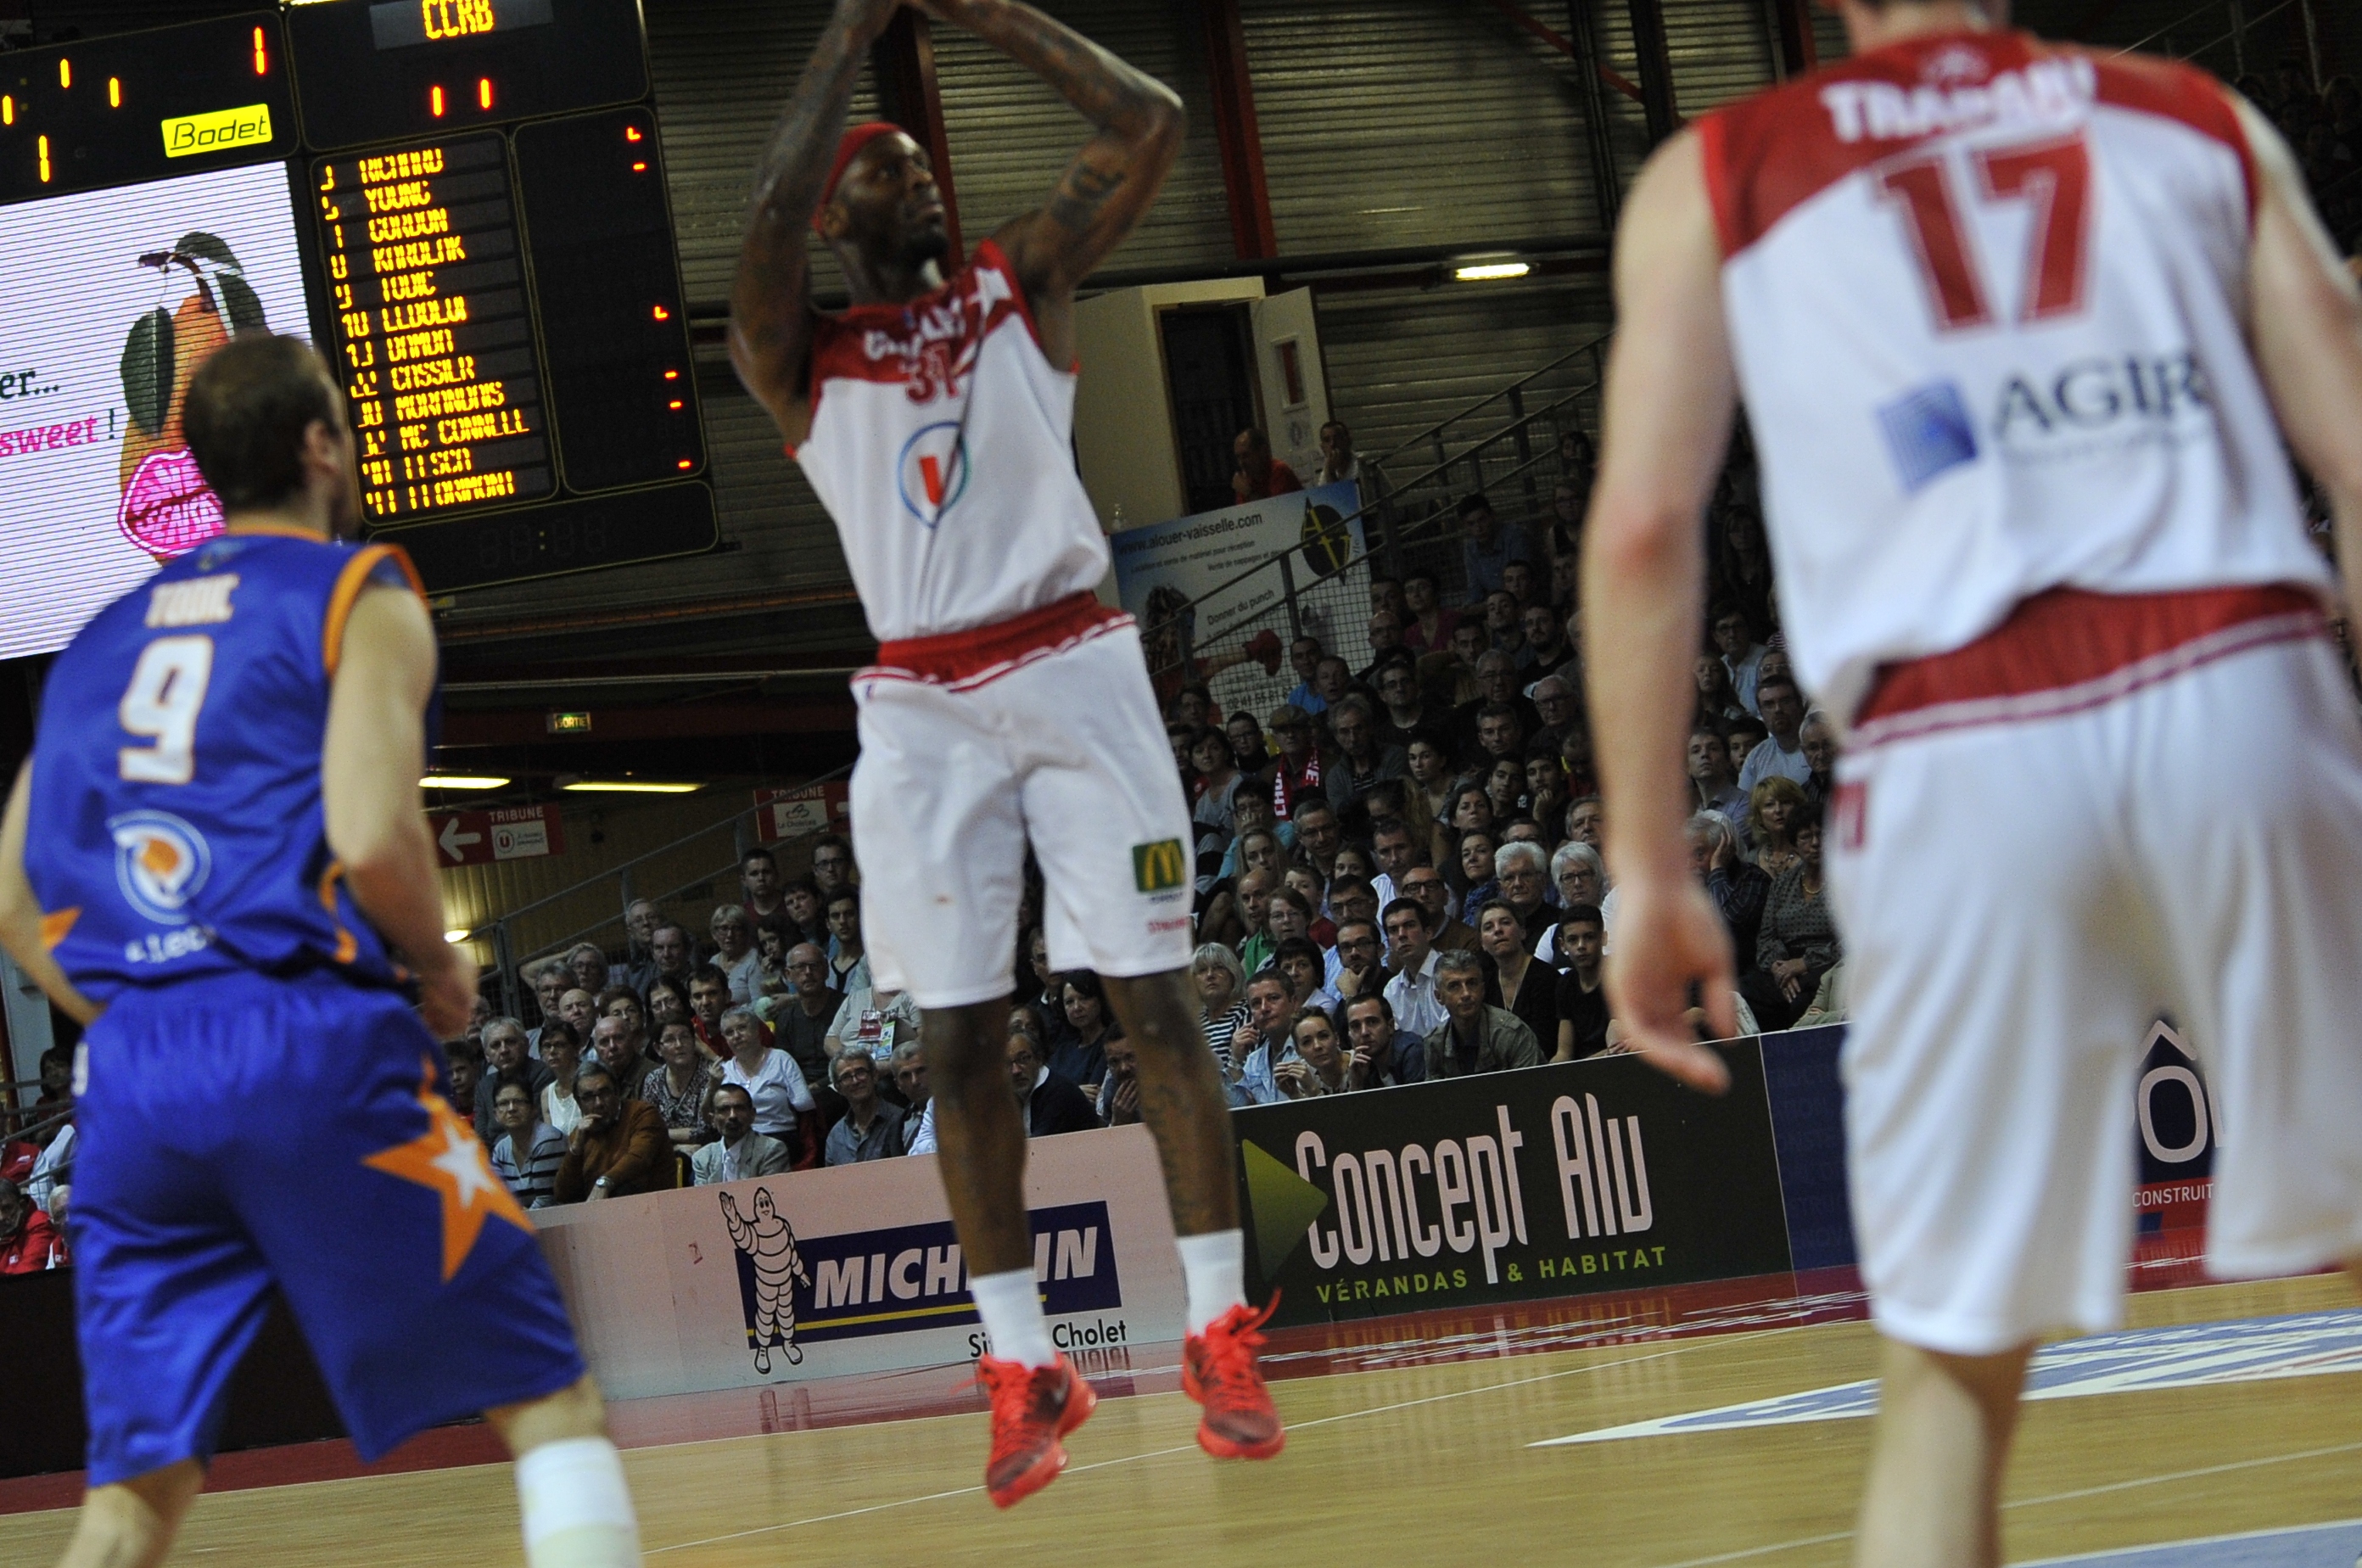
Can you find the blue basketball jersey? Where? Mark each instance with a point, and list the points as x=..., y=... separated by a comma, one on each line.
x=176, y=823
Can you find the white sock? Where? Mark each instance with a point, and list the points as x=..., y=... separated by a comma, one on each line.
x=1010, y=1305
x=1215, y=1265
x=578, y=1509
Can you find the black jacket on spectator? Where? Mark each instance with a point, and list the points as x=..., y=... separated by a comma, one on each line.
x=1739, y=891
x=1057, y=1106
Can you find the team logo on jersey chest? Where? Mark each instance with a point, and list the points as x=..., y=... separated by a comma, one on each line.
x=932, y=471
x=160, y=863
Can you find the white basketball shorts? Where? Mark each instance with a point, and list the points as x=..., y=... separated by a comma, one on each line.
x=2111, y=807
x=1041, y=729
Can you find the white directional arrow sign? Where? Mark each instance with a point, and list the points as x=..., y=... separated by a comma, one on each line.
x=453, y=840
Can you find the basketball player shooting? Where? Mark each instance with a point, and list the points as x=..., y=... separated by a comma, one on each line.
x=2021, y=330
x=935, y=418
x=216, y=860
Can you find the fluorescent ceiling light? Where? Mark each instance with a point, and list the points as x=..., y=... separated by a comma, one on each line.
x=630, y=787
x=462, y=781
x=455, y=936
x=1486, y=272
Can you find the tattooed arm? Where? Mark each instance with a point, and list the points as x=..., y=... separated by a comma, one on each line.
x=770, y=306
x=1112, y=181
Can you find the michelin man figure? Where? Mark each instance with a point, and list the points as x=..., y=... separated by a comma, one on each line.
x=771, y=1242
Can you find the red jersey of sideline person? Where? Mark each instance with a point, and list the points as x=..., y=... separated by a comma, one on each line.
x=35, y=1245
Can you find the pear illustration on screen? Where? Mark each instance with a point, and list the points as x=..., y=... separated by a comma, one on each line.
x=166, y=509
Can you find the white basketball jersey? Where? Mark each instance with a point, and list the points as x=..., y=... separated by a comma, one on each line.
x=941, y=445
x=1984, y=295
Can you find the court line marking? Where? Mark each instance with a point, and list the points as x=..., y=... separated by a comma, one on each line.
x=1680, y=1348
x=2238, y=1535
x=1773, y=1548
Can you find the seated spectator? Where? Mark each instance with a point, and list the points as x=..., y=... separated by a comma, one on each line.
x=1586, y=822
x=672, y=952
x=734, y=952
x=1118, y=1095
x=1299, y=961
x=1361, y=761
x=1332, y=679
x=1080, y=1055
x=918, y=1098
x=29, y=1242
x=46, y=1186
x=1319, y=1066
x=709, y=999
x=1581, y=1000
x=1714, y=786
x=1252, y=1053
x=1396, y=846
x=1214, y=778
x=871, y=1129
x=1829, y=1001
x=1818, y=736
x=1049, y=1105
x=1518, y=582
x=532, y=1174
x=615, y=1043
x=640, y=918
x=1798, y=941
x=1252, y=814
x=579, y=1009
x=898, y=1017
x=776, y=1085
x=1478, y=852
x=1496, y=690
x=1737, y=887
x=1735, y=649
x=1546, y=785
x=622, y=1002
x=680, y=1086
x=1558, y=702
x=1515, y=981
x=758, y=886
x=832, y=868
x=1298, y=769
x=1774, y=807
x=1505, y=786
x=1425, y=887
x=1361, y=960
x=1523, y=872
x=1319, y=836
x=1579, y=876
x=1718, y=701
x=1304, y=656
x=618, y=1147
x=1306, y=883
x=1289, y=914
x=1411, y=995
x=1259, y=476
x=848, y=963
x=738, y=1153
x=1505, y=626
x=1382, y=1054
x=1743, y=735
x=1250, y=751
x=1546, y=640
x=587, y=965
x=561, y=1051
x=1475, y=1038
x=1385, y=638
x=1404, y=711
x=463, y=1075
x=551, y=980
x=1486, y=544
x=1427, y=626
x=1781, y=753
x=669, y=1003
x=1221, y=982
x=800, y=1022
x=807, y=913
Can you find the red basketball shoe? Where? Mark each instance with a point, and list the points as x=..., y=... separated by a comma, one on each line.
x=1032, y=1407
x=1219, y=1371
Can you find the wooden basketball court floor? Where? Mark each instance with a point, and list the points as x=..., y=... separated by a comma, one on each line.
x=1412, y=1441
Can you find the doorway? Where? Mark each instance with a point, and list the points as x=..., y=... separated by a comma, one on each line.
x=1210, y=376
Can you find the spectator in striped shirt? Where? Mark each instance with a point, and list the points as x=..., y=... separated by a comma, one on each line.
x=531, y=1177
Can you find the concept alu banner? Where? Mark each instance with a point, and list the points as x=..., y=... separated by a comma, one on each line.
x=1554, y=1181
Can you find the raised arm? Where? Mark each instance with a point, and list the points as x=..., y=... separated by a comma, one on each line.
x=1114, y=180
x=2304, y=316
x=1671, y=389
x=771, y=302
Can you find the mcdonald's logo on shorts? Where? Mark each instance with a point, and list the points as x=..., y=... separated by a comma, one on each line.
x=1161, y=866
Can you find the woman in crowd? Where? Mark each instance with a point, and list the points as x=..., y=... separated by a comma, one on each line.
x=1313, y=887
x=679, y=1089
x=1430, y=626
x=561, y=1051
x=774, y=935
x=1717, y=700
x=1221, y=982
x=1771, y=823
x=1319, y=1066
x=799, y=899
x=1470, y=875
x=733, y=950
x=774, y=1082
x=588, y=965
x=1515, y=981
x=527, y=1153
x=621, y=1001
x=1215, y=775
x=1798, y=940
x=1352, y=860
x=667, y=1002
x=1080, y=1055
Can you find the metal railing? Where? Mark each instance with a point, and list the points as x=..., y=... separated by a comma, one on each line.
x=502, y=929
x=1408, y=527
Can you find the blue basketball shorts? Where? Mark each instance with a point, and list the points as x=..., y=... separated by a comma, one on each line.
x=241, y=1132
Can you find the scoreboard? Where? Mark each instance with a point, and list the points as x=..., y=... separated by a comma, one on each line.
x=460, y=203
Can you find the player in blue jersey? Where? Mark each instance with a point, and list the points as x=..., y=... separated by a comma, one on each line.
x=215, y=858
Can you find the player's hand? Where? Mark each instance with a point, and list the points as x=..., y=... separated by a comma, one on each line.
x=446, y=991
x=1669, y=937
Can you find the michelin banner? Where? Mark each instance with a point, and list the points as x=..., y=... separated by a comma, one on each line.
x=1163, y=569
x=856, y=1268
x=1554, y=1181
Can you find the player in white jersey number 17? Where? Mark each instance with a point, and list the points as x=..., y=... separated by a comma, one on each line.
x=1006, y=705
x=1958, y=1294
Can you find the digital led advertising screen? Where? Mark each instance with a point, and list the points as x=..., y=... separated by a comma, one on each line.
x=109, y=301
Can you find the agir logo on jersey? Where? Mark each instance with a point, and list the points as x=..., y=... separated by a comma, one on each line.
x=160, y=863
x=932, y=471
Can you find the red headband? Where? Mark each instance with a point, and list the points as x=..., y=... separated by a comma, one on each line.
x=847, y=150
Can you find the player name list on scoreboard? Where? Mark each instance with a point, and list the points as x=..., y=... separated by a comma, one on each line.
x=433, y=329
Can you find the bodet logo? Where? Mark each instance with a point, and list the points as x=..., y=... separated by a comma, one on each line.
x=802, y=1290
